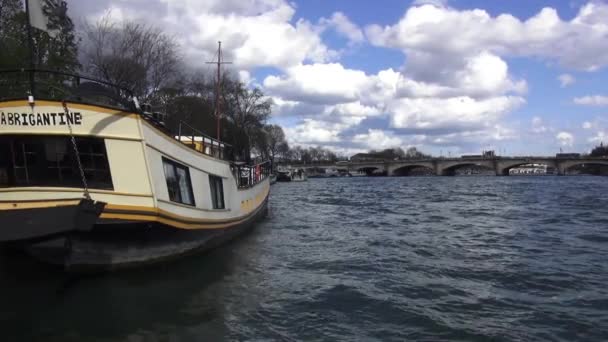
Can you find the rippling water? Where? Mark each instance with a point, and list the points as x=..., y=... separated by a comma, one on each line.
x=358, y=259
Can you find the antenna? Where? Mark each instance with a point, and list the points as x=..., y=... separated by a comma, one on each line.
x=218, y=86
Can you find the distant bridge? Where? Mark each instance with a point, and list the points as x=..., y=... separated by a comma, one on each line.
x=448, y=166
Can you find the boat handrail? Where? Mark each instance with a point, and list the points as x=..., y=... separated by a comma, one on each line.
x=44, y=84
x=248, y=176
x=201, y=142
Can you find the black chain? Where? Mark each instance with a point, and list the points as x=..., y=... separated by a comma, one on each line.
x=75, y=147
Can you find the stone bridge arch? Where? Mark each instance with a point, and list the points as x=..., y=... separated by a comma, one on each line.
x=369, y=169
x=504, y=166
x=404, y=169
x=567, y=164
x=448, y=168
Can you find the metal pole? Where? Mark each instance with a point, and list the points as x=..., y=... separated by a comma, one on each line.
x=217, y=105
x=218, y=89
x=30, y=41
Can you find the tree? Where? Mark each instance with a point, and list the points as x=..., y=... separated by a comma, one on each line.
x=295, y=154
x=283, y=150
x=247, y=110
x=58, y=53
x=131, y=55
x=13, y=53
x=413, y=153
x=306, y=155
x=275, y=140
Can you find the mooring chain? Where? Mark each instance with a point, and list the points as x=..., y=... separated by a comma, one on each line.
x=75, y=147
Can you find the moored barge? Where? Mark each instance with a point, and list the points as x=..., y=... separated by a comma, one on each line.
x=90, y=180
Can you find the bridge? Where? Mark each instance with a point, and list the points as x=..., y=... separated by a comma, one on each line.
x=448, y=166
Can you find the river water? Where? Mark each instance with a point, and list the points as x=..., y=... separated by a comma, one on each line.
x=356, y=259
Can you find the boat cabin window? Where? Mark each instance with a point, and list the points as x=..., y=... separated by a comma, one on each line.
x=50, y=161
x=178, y=182
x=5, y=163
x=217, y=192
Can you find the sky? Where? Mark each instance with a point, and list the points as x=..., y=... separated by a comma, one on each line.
x=449, y=77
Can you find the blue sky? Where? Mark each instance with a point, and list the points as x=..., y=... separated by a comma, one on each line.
x=457, y=76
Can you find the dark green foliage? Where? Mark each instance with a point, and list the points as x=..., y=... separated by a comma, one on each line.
x=59, y=53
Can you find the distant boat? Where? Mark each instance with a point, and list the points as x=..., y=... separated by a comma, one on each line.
x=291, y=175
x=298, y=175
x=283, y=175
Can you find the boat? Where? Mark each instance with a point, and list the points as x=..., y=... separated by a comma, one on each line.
x=298, y=175
x=283, y=175
x=90, y=179
x=322, y=173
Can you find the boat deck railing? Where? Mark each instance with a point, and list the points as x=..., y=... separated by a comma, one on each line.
x=202, y=142
x=250, y=175
x=18, y=84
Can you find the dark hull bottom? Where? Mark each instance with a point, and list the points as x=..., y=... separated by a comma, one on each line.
x=111, y=247
x=42, y=223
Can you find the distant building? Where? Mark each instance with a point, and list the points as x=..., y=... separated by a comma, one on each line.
x=489, y=154
x=484, y=154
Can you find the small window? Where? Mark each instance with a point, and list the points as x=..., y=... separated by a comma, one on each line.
x=5, y=162
x=217, y=192
x=178, y=182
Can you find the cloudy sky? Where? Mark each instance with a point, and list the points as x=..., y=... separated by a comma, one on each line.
x=446, y=76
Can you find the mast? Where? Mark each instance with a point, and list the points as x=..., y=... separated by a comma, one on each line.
x=218, y=87
x=30, y=41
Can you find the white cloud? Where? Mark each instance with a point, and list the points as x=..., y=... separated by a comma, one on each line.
x=313, y=132
x=438, y=3
x=113, y=15
x=318, y=83
x=493, y=134
x=377, y=139
x=566, y=80
x=565, y=139
x=434, y=34
x=587, y=125
x=537, y=125
x=592, y=100
x=354, y=109
x=482, y=75
x=599, y=138
x=477, y=101
x=458, y=112
x=224, y=7
x=501, y=133
x=245, y=77
x=344, y=26
x=254, y=32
